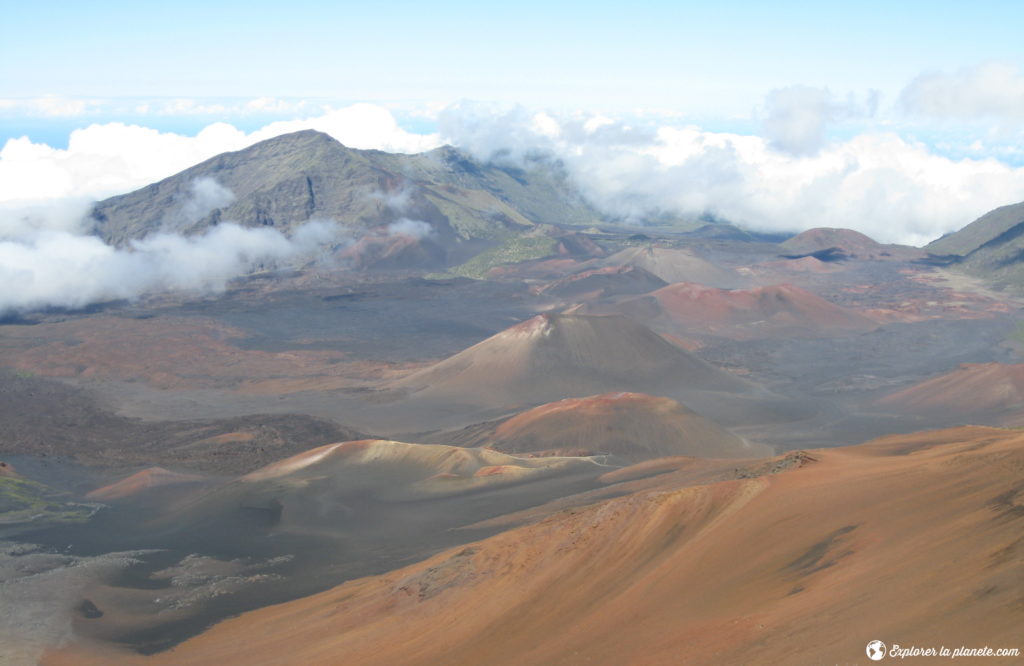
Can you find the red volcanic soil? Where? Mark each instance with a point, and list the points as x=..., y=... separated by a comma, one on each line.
x=971, y=388
x=633, y=426
x=542, y=269
x=851, y=243
x=572, y=250
x=912, y=540
x=793, y=268
x=744, y=313
x=604, y=282
x=141, y=481
x=673, y=265
x=393, y=251
x=173, y=353
x=822, y=238
x=803, y=265
x=553, y=356
x=7, y=470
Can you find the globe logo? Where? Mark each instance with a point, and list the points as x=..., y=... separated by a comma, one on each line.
x=876, y=650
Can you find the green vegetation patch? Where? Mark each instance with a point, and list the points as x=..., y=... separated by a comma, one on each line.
x=513, y=250
x=475, y=214
x=28, y=505
x=1018, y=334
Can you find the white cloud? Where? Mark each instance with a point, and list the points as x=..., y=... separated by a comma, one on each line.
x=57, y=268
x=273, y=105
x=362, y=126
x=112, y=158
x=102, y=160
x=45, y=260
x=188, y=107
x=417, y=229
x=797, y=117
x=990, y=90
x=46, y=192
x=49, y=106
x=879, y=183
x=205, y=196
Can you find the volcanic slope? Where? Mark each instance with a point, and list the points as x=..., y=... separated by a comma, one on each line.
x=600, y=283
x=287, y=180
x=141, y=482
x=630, y=426
x=345, y=486
x=775, y=311
x=832, y=244
x=985, y=230
x=555, y=356
x=43, y=417
x=970, y=389
x=751, y=570
x=671, y=265
x=991, y=247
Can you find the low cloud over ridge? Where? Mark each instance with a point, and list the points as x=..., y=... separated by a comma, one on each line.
x=887, y=186
x=881, y=184
x=56, y=268
x=43, y=266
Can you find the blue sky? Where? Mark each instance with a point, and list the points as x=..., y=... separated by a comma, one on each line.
x=702, y=59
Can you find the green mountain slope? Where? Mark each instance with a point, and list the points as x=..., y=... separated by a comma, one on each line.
x=287, y=180
x=985, y=229
x=991, y=247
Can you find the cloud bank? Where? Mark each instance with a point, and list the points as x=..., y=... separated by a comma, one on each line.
x=992, y=90
x=51, y=263
x=797, y=117
x=879, y=183
x=56, y=268
x=103, y=160
x=793, y=177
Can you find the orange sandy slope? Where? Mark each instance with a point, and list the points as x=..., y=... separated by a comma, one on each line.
x=634, y=426
x=152, y=477
x=970, y=388
x=553, y=356
x=913, y=539
x=759, y=311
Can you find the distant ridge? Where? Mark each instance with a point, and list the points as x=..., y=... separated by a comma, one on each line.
x=986, y=229
x=287, y=180
x=991, y=247
x=672, y=265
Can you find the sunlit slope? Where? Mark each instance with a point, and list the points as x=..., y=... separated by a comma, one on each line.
x=673, y=265
x=911, y=539
x=970, y=389
x=630, y=426
x=777, y=310
x=380, y=486
x=555, y=356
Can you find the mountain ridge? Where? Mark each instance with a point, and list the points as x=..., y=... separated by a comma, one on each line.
x=287, y=180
